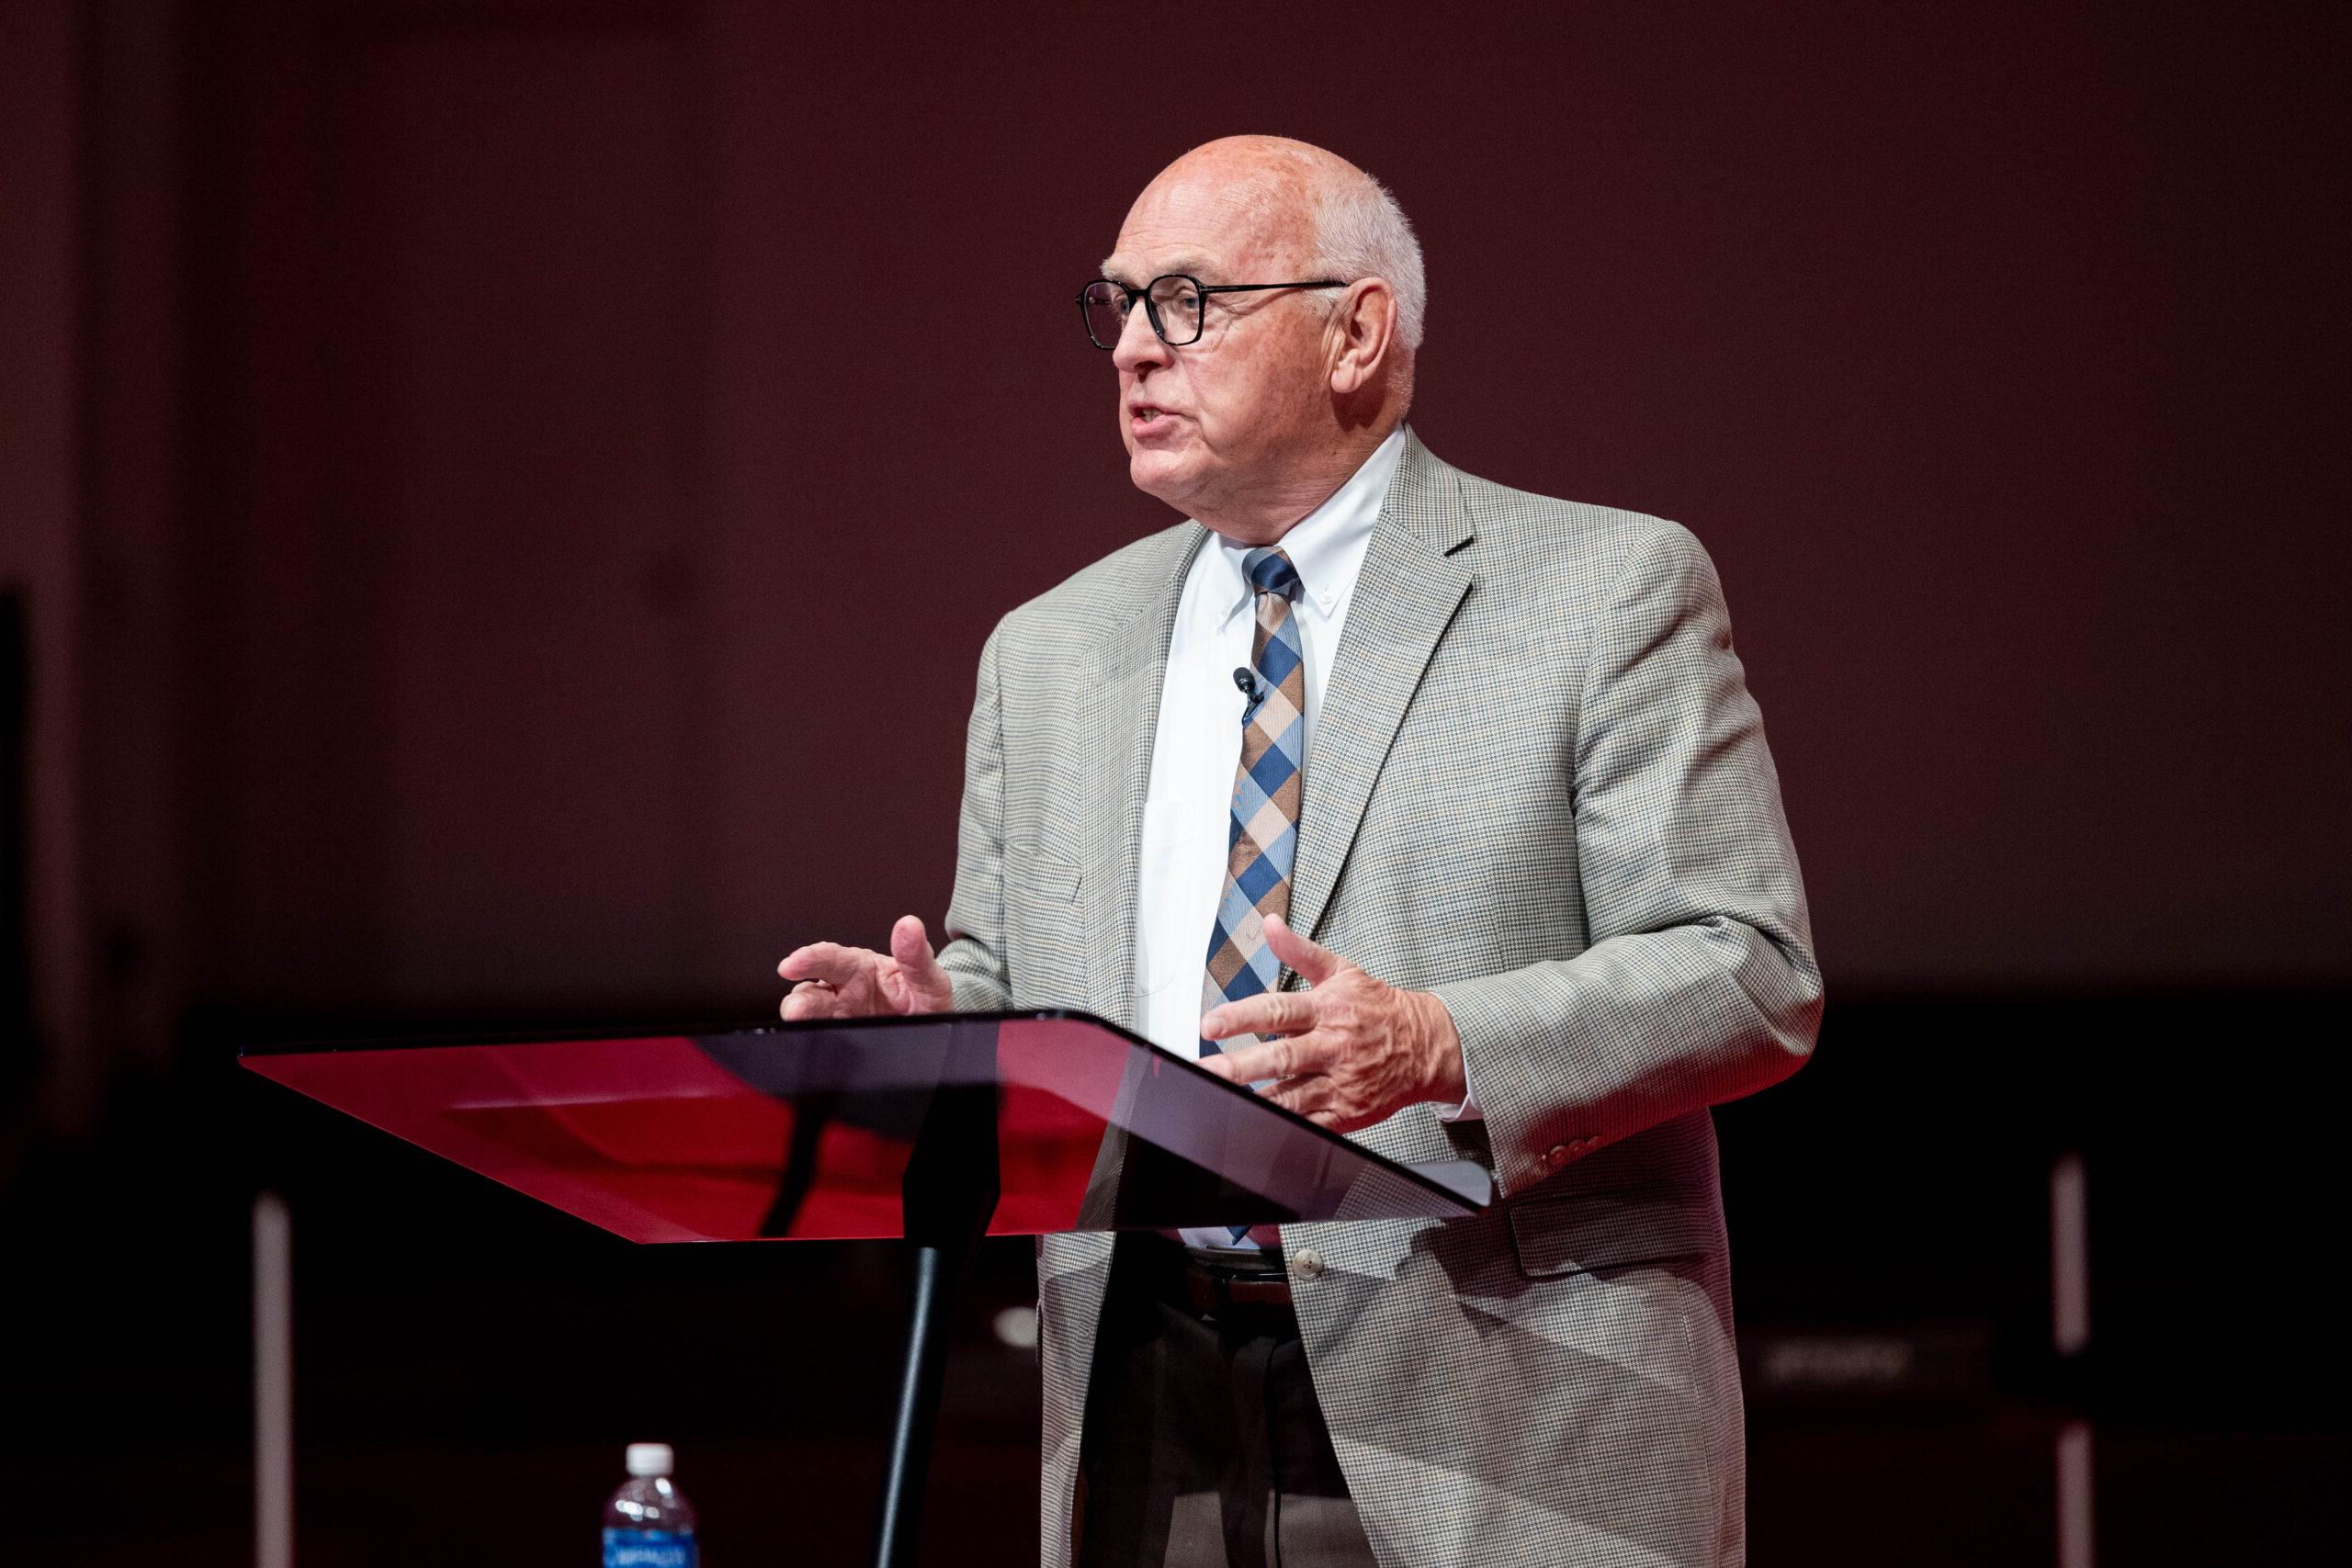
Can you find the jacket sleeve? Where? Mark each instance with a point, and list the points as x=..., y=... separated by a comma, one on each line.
x=1699, y=983
x=975, y=955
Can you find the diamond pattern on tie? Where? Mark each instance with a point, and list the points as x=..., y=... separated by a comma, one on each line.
x=1265, y=837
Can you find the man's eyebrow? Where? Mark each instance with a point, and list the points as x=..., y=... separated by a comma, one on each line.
x=1189, y=264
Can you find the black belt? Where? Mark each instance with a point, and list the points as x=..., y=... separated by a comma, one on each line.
x=1218, y=1292
x=1252, y=1285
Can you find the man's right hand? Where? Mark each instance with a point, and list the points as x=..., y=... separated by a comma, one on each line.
x=857, y=982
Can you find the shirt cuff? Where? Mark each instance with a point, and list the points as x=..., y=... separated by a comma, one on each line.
x=1468, y=1110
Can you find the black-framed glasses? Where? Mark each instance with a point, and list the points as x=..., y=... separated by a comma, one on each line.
x=1174, y=301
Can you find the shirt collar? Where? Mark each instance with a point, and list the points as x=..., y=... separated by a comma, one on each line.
x=1327, y=545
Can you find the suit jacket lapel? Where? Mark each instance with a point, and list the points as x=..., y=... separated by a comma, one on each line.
x=1405, y=598
x=1122, y=717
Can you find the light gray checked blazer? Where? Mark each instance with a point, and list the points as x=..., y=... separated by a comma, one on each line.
x=1539, y=788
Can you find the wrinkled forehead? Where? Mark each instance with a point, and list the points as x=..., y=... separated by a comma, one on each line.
x=1216, y=224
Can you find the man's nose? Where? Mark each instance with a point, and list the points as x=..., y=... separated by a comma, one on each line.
x=1139, y=346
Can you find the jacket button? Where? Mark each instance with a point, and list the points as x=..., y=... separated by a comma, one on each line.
x=1306, y=1264
x=1556, y=1156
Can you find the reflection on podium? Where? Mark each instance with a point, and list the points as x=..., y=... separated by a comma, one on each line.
x=804, y=1132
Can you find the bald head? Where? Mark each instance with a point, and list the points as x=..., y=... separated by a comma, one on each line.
x=1288, y=388
x=1313, y=209
x=1272, y=183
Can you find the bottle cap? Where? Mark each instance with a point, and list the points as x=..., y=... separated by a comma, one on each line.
x=651, y=1459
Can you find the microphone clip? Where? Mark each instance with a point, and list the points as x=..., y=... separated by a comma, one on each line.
x=1251, y=692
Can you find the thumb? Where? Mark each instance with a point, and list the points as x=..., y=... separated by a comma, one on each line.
x=1313, y=962
x=917, y=966
x=911, y=944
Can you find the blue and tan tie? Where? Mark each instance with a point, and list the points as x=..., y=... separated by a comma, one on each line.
x=1264, y=833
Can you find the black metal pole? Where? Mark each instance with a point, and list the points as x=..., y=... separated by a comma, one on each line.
x=909, y=1466
x=949, y=1193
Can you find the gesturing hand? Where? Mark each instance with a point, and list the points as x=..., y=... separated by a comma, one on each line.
x=857, y=982
x=1355, y=1050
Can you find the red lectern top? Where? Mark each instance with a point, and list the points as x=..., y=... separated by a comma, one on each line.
x=804, y=1131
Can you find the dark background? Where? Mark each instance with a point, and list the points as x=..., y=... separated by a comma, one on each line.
x=500, y=503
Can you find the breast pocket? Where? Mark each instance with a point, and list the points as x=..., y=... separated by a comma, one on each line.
x=1040, y=879
x=1046, y=931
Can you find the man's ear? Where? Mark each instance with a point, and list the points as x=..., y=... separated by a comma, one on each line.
x=1360, y=335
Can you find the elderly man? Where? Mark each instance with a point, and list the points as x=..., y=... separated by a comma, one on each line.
x=1440, y=812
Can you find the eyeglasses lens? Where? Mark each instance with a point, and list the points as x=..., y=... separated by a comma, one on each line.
x=1175, y=301
x=1106, y=313
x=1178, y=302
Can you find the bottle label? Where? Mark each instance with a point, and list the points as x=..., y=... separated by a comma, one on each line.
x=650, y=1549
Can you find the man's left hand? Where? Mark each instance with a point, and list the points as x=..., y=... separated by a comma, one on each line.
x=1354, y=1051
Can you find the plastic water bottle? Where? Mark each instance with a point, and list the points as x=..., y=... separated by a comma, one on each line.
x=649, y=1523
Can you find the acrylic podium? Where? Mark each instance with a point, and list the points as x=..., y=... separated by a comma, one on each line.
x=934, y=1131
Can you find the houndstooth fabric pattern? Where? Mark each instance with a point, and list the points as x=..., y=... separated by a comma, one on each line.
x=1541, y=791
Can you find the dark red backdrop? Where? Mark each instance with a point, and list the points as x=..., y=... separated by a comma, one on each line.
x=606, y=433
x=507, y=495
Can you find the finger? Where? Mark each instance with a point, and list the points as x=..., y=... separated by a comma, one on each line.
x=827, y=961
x=1270, y=1012
x=1304, y=1095
x=923, y=984
x=910, y=945
x=811, y=1001
x=1291, y=1057
x=1310, y=961
x=798, y=962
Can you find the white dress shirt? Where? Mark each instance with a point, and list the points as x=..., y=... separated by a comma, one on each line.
x=1188, y=814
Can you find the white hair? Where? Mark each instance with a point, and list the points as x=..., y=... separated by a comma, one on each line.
x=1361, y=231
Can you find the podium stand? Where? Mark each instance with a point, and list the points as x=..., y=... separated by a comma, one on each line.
x=935, y=1131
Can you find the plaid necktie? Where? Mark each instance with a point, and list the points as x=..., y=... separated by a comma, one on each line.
x=1265, y=834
